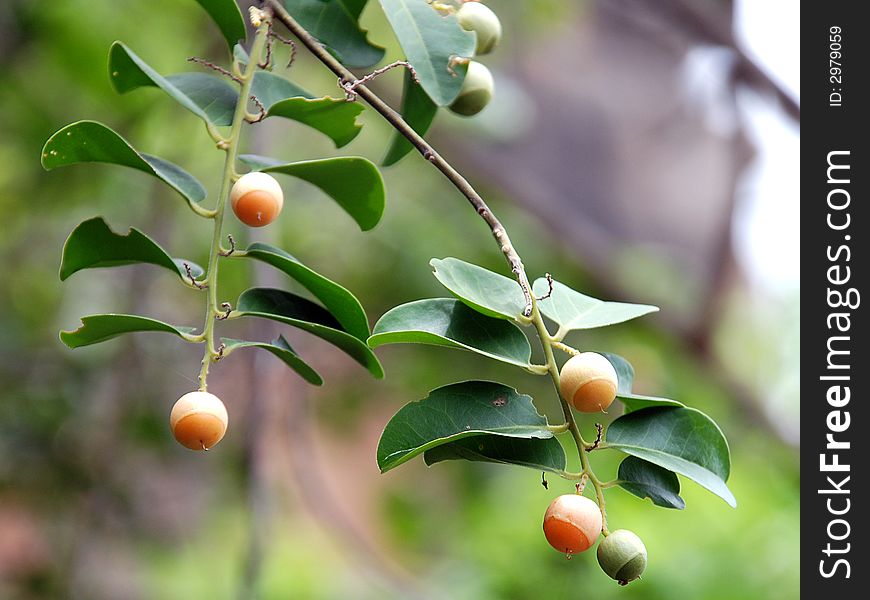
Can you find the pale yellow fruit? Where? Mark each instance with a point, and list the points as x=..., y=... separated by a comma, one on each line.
x=589, y=382
x=198, y=420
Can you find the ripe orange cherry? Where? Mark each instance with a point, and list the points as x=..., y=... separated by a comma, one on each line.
x=589, y=382
x=572, y=523
x=257, y=199
x=198, y=420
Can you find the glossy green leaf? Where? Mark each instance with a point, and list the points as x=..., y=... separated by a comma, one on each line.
x=646, y=480
x=456, y=411
x=450, y=323
x=335, y=23
x=572, y=310
x=209, y=97
x=99, y=328
x=228, y=17
x=341, y=303
x=93, y=245
x=679, y=439
x=334, y=118
x=625, y=379
x=418, y=111
x=298, y=312
x=89, y=141
x=486, y=292
x=214, y=99
x=352, y=181
x=539, y=454
x=430, y=40
x=280, y=348
x=270, y=88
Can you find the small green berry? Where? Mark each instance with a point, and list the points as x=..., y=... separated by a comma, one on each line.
x=474, y=16
x=622, y=556
x=477, y=91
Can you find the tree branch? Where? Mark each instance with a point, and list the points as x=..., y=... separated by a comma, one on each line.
x=428, y=152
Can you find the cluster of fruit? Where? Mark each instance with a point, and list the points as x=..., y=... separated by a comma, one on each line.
x=573, y=522
x=479, y=86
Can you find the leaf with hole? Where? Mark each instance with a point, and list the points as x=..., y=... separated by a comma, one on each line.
x=486, y=292
x=281, y=349
x=352, y=181
x=457, y=411
x=341, y=303
x=228, y=18
x=92, y=245
x=89, y=141
x=431, y=41
x=335, y=24
x=647, y=480
x=539, y=454
x=293, y=310
x=680, y=439
x=450, y=323
x=418, y=111
x=99, y=328
x=571, y=310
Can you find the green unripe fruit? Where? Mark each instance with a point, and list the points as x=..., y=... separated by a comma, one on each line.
x=476, y=92
x=474, y=16
x=622, y=556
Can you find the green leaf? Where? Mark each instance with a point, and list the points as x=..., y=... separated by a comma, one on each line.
x=352, y=181
x=456, y=411
x=418, y=111
x=341, y=303
x=89, y=141
x=214, y=99
x=539, y=454
x=280, y=348
x=450, y=323
x=334, y=118
x=99, y=328
x=430, y=40
x=296, y=311
x=625, y=379
x=572, y=310
x=92, y=245
x=646, y=480
x=270, y=88
x=335, y=24
x=486, y=292
x=228, y=17
x=210, y=98
x=679, y=439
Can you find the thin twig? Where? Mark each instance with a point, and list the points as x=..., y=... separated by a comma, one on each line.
x=396, y=120
x=260, y=109
x=349, y=86
x=193, y=281
x=597, y=441
x=232, y=249
x=228, y=308
x=214, y=67
x=549, y=290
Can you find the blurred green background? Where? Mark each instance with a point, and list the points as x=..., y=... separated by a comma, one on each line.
x=97, y=501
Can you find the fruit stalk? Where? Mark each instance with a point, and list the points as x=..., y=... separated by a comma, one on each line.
x=231, y=148
x=530, y=312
